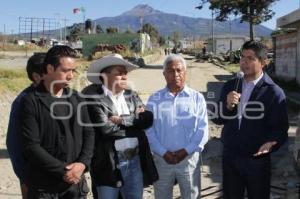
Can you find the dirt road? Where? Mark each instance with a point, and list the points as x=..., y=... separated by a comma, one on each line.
x=203, y=77
x=14, y=59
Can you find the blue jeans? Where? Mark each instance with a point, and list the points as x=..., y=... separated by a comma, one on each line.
x=133, y=181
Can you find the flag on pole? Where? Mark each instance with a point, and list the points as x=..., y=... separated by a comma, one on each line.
x=76, y=10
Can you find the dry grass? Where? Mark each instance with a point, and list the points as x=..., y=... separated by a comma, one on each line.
x=13, y=80
x=15, y=47
x=124, y=53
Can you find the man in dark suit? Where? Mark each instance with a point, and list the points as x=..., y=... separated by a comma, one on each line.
x=255, y=124
x=57, y=146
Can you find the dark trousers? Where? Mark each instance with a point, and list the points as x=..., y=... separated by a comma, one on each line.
x=246, y=173
x=76, y=191
x=94, y=188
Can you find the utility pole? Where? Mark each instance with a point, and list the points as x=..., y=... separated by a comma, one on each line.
x=31, y=22
x=59, y=26
x=212, y=31
x=19, y=36
x=3, y=42
x=60, y=30
x=12, y=35
x=65, y=30
x=82, y=9
x=194, y=38
x=230, y=35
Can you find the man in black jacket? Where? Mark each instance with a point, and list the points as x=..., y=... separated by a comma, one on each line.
x=255, y=121
x=57, y=145
x=122, y=161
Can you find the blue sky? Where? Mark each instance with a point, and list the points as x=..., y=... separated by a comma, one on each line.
x=11, y=10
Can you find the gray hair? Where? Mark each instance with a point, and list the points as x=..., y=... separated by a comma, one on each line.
x=174, y=57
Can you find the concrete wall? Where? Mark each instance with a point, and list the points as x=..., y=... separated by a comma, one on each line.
x=223, y=45
x=298, y=58
x=287, y=63
x=286, y=56
x=289, y=20
x=187, y=44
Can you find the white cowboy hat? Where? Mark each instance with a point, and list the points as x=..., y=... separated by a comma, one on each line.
x=110, y=60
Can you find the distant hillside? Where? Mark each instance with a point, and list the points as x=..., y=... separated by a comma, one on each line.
x=167, y=23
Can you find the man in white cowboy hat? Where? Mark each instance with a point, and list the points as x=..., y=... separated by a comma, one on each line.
x=122, y=161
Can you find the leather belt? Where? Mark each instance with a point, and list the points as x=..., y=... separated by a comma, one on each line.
x=128, y=154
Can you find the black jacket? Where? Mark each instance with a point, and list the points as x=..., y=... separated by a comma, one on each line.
x=44, y=138
x=104, y=169
x=267, y=121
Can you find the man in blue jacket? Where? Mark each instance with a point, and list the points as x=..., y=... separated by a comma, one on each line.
x=255, y=124
x=34, y=71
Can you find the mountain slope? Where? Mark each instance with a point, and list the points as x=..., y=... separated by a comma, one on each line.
x=167, y=23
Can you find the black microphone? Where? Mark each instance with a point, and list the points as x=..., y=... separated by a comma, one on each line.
x=239, y=77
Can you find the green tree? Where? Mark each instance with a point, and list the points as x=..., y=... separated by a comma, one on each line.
x=75, y=31
x=161, y=41
x=129, y=30
x=252, y=11
x=150, y=30
x=99, y=29
x=111, y=30
x=175, y=37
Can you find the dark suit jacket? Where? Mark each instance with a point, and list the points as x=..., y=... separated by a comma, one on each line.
x=268, y=122
x=44, y=138
x=13, y=138
x=104, y=169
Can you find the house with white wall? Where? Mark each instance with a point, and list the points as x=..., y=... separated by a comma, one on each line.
x=287, y=46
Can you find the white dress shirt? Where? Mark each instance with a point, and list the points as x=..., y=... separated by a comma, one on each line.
x=122, y=109
x=247, y=89
x=179, y=121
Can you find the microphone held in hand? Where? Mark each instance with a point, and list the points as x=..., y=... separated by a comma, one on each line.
x=238, y=81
